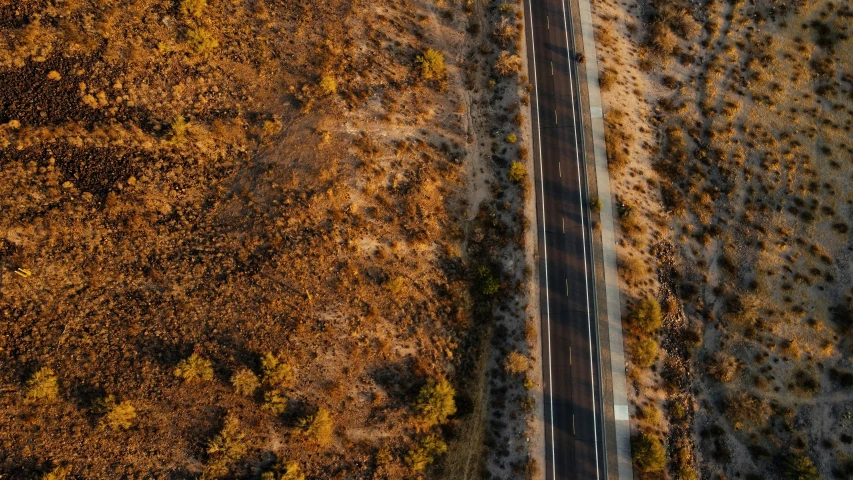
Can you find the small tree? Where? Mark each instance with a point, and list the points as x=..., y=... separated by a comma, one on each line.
x=195, y=368
x=318, y=427
x=517, y=172
x=507, y=64
x=328, y=85
x=193, y=8
x=424, y=452
x=516, y=363
x=245, y=382
x=284, y=471
x=116, y=415
x=276, y=373
x=43, y=386
x=647, y=316
x=799, y=467
x=645, y=352
x=225, y=448
x=275, y=402
x=648, y=453
x=432, y=65
x=435, y=402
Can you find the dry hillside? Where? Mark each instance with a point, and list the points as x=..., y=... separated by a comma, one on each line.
x=235, y=237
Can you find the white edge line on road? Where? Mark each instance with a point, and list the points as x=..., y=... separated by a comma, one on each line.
x=583, y=233
x=544, y=234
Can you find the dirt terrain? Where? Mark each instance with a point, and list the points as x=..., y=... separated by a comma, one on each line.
x=729, y=143
x=243, y=238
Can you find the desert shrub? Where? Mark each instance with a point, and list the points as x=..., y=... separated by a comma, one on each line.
x=245, y=382
x=54, y=75
x=282, y=470
x=274, y=402
x=512, y=138
x=806, y=383
x=645, y=352
x=179, y=128
x=489, y=285
x=505, y=33
x=662, y=40
x=517, y=172
x=424, y=452
x=647, y=316
x=116, y=415
x=799, y=467
x=516, y=363
x=318, y=427
x=432, y=65
x=58, y=473
x=194, y=368
x=648, y=453
x=721, y=367
x=226, y=447
x=328, y=85
x=607, y=80
x=201, y=40
x=43, y=386
x=276, y=373
x=193, y=8
x=743, y=408
x=632, y=269
x=435, y=402
x=507, y=64
x=651, y=414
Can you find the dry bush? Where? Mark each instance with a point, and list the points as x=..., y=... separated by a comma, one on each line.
x=516, y=363
x=505, y=33
x=662, y=40
x=607, y=80
x=745, y=409
x=116, y=415
x=632, y=269
x=507, y=64
x=721, y=367
x=644, y=352
x=647, y=316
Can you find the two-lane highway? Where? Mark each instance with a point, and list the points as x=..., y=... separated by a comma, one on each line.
x=573, y=421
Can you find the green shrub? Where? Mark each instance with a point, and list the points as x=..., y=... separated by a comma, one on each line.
x=647, y=316
x=517, y=172
x=489, y=285
x=424, y=453
x=648, y=453
x=318, y=427
x=432, y=65
x=245, y=382
x=43, y=386
x=435, y=402
x=799, y=467
x=645, y=352
x=276, y=373
x=194, y=368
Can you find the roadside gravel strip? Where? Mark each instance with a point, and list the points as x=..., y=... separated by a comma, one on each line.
x=611, y=280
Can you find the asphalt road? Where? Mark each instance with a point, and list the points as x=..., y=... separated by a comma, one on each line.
x=573, y=419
